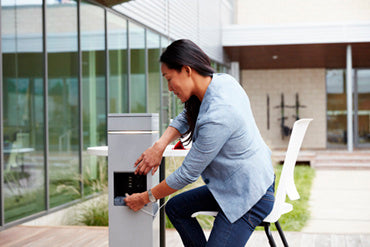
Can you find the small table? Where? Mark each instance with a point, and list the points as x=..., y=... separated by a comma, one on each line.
x=169, y=152
x=20, y=151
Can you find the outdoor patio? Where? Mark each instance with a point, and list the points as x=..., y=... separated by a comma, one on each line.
x=338, y=205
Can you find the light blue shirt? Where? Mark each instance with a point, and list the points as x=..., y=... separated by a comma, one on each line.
x=227, y=150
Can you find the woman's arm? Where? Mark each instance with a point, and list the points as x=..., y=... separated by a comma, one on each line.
x=148, y=160
x=151, y=158
x=137, y=201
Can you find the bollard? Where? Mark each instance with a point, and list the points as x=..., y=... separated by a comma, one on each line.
x=129, y=135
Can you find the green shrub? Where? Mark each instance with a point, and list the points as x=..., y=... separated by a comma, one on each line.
x=95, y=213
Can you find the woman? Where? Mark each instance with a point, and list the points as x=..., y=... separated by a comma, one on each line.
x=227, y=151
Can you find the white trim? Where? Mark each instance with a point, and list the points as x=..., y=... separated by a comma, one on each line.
x=238, y=35
x=132, y=132
x=169, y=151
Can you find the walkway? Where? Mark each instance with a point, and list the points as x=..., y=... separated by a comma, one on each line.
x=80, y=236
x=340, y=202
x=295, y=239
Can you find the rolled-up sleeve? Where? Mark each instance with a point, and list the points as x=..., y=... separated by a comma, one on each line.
x=180, y=123
x=212, y=133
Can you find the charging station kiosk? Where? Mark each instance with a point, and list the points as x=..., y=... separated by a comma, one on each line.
x=129, y=135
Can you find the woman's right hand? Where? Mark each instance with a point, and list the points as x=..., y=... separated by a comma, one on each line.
x=149, y=160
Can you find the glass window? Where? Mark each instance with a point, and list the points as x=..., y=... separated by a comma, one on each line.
x=137, y=68
x=214, y=65
x=63, y=107
x=363, y=90
x=93, y=88
x=23, y=109
x=117, y=45
x=336, y=107
x=154, y=74
x=179, y=106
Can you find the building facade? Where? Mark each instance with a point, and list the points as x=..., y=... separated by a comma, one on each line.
x=305, y=60
x=64, y=66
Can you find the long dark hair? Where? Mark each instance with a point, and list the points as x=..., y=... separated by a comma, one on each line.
x=181, y=53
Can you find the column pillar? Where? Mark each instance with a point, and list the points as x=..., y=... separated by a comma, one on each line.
x=349, y=99
x=235, y=71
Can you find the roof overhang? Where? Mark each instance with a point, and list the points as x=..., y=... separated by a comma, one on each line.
x=297, y=46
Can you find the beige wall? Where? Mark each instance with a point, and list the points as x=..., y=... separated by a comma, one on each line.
x=308, y=83
x=271, y=12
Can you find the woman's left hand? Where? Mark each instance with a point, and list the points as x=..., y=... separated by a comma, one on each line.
x=136, y=201
x=149, y=160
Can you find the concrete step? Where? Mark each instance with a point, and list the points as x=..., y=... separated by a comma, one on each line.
x=333, y=165
x=341, y=159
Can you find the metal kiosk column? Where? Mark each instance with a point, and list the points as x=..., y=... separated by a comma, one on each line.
x=129, y=135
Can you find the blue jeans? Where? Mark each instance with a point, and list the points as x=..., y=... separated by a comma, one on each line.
x=180, y=208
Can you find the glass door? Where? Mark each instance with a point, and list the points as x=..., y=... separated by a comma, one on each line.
x=336, y=109
x=362, y=108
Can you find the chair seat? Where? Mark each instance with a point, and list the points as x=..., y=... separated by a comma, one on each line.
x=272, y=217
x=209, y=213
x=277, y=212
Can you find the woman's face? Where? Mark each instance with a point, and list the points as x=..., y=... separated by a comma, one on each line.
x=180, y=83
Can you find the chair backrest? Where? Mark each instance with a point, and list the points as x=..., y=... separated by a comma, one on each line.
x=286, y=184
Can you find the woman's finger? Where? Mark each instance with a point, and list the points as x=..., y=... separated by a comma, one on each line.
x=143, y=169
x=147, y=169
x=154, y=170
x=138, y=167
x=139, y=160
x=142, y=166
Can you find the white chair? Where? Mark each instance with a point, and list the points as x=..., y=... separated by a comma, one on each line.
x=286, y=184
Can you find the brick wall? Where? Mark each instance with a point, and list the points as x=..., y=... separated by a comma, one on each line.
x=308, y=83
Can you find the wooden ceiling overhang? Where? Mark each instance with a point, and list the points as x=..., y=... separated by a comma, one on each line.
x=299, y=56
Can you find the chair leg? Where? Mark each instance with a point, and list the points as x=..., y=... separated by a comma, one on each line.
x=281, y=233
x=268, y=233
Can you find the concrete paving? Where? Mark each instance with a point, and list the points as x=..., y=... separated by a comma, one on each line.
x=340, y=202
x=295, y=239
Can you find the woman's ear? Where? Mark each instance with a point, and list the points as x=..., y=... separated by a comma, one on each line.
x=188, y=70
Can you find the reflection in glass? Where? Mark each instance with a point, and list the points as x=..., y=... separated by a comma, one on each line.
x=94, y=89
x=23, y=110
x=63, y=109
x=336, y=108
x=117, y=46
x=154, y=75
x=363, y=89
x=137, y=73
x=214, y=65
x=165, y=112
